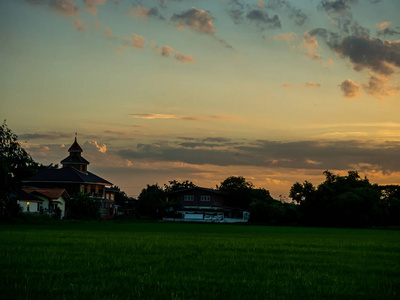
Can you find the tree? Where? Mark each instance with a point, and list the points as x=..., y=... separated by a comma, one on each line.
x=16, y=165
x=239, y=191
x=151, y=201
x=81, y=206
x=299, y=192
x=343, y=201
x=174, y=186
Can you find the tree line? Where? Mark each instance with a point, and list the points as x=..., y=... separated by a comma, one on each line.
x=347, y=201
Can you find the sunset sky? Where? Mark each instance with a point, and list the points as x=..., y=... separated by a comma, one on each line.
x=276, y=91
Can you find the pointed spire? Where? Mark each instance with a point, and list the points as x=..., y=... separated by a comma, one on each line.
x=75, y=146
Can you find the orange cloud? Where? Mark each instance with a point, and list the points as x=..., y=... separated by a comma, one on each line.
x=184, y=58
x=138, y=41
x=288, y=37
x=286, y=84
x=309, y=84
x=65, y=7
x=350, y=89
x=79, y=26
x=380, y=87
x=91, y=5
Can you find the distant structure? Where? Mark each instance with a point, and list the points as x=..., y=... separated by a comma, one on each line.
x=75, y=178
x=199, y=204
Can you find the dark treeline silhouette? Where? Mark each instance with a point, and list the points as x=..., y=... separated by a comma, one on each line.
x=347, y=201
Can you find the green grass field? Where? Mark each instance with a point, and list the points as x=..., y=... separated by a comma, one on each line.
x=196, y=261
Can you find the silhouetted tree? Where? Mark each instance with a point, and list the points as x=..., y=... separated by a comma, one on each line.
x=81, y=206
x=151, y=201
x=343, y=201
x=239, y=191
x=299, y=192
x=174, y=186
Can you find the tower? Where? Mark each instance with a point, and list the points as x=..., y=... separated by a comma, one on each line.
x=75, y=158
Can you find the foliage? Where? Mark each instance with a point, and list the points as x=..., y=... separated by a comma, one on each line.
x=151, y=201
x=174, y=186
x=239, y=191
x=299, y=192
x=120, y=197
x=110, y=260
x=343, y=201
x=81, y=206
x=15, y=165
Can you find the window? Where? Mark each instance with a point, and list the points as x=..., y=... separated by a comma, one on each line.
x=205, y=198
x=188, y=198
x=27, y=206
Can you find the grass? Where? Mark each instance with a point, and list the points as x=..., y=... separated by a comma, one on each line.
x=112, y=260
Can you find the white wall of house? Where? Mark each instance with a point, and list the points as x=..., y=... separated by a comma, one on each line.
x=29, y=206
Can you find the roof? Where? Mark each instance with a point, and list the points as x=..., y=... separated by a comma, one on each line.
x=24, y=196
x=47, y=192
x=75, y=160
x=67, y=174
x=201, y=189
x=75, y=147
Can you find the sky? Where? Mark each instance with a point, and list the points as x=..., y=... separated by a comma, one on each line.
x=276, y=91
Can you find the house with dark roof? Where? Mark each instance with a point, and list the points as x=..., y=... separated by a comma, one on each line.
x=42, y=200
x=75, y=178
x=200, y=204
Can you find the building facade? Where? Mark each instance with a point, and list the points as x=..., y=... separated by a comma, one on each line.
x=74, y=177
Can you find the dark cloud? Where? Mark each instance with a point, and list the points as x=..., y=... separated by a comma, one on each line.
x=336, y=6
x=338, y=155
x=350, y=89
x=388, y=31
x=262, y=19
x=295, y=14
x=195, y=19
x=371, y=53
x=216, y=139
x=47, y=135
x=237, y=11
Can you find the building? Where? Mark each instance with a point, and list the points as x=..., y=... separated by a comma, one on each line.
x=42, y=200
x=207, y=205
x=74, y=177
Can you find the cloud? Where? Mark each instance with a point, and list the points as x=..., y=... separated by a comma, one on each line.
x=380, y=87
x=288, y=37
x=384, y=29
x=184, y=58
x=371, y=53
x=144, y=12
x=79, y=26
x=48, y=135
x=311, y=155
x=350, y=89
x=165, y=116
x=91, y=5
x=195, y=19
x=138, y=41
x=102, y=148
x=166, y=51
x=262, y=20
x=311, y=45
x=337, y=6
x=65, y=7
x=310, y=85
x=287, y=85
x=108, y=32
